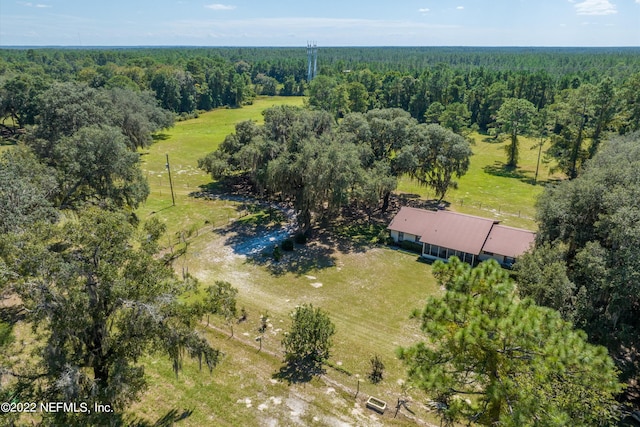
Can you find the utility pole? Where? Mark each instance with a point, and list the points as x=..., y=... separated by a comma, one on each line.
x=173, y=199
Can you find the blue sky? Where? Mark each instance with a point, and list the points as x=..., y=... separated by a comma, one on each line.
x=328, y=22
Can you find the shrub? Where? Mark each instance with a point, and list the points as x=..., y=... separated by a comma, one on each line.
x=377, y=369
x=277, y=253
x=411, y=246
x=382, y=237
x=287, y=245
x=308, y=343
x=300, y=238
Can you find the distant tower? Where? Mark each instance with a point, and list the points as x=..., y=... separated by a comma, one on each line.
x=312, y=60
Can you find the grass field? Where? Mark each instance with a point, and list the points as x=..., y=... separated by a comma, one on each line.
x=352, y=285
x=490, y=190
x=185, y=143
x=369, y=292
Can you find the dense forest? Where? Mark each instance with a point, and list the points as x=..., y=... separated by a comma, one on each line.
x=70, y=186
x=582, y=93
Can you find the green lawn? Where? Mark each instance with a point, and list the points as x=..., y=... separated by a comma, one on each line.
x=185, y=143
x=491, y=191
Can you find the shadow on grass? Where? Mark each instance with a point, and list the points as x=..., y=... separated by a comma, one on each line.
x=428, y=204
x=500, y=169
x=12, y=314
x=167, y=420
x=351, y=237
x=216, y=187
x=301, y=260
x=299, y=372
x=161, y=136
x=492, y=139
x=251, y=235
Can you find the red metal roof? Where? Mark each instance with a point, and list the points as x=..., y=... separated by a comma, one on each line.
x=508, y=241
x=465, y=233
x=411, y=220
x=457, y=231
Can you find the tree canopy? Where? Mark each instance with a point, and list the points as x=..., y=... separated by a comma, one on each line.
x=307, y=345
x=492, y=358
x=321, y=167
x=99, y=301
x=596, y=218
x=27, y=190
x=514, y=118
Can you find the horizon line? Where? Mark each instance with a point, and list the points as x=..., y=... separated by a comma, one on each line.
x=53, y=46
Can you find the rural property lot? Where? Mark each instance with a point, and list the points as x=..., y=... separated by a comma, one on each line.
x=369, y=291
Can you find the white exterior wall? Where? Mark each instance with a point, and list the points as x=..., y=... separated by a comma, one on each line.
x=395, y=235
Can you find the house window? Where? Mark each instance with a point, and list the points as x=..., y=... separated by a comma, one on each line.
x=468, y=258
x=417, y=239
x=400, y=236
x=443, y=253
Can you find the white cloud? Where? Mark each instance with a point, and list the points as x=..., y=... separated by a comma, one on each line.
x=460, y=7
x=425, y=10
x=29, y=4
x=638, y=1
x=596, y=7
x=218, y=6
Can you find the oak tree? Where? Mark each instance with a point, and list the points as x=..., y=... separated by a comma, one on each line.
x=99, y=301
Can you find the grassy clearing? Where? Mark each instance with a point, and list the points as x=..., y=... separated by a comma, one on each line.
x=354, y=286
x=490, y=190
x=185, y=143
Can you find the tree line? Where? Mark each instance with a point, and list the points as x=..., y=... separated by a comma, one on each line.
x=189, y=79
x=531, y=91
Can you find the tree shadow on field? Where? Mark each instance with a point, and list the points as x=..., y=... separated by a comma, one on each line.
x=301, y=260
x=161, y=136
x=492, y=139
x=167, y=420
x=12, y=314
x=296, y=372
x=502, y=170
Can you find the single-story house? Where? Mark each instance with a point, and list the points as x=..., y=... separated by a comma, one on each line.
x=470, y=238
